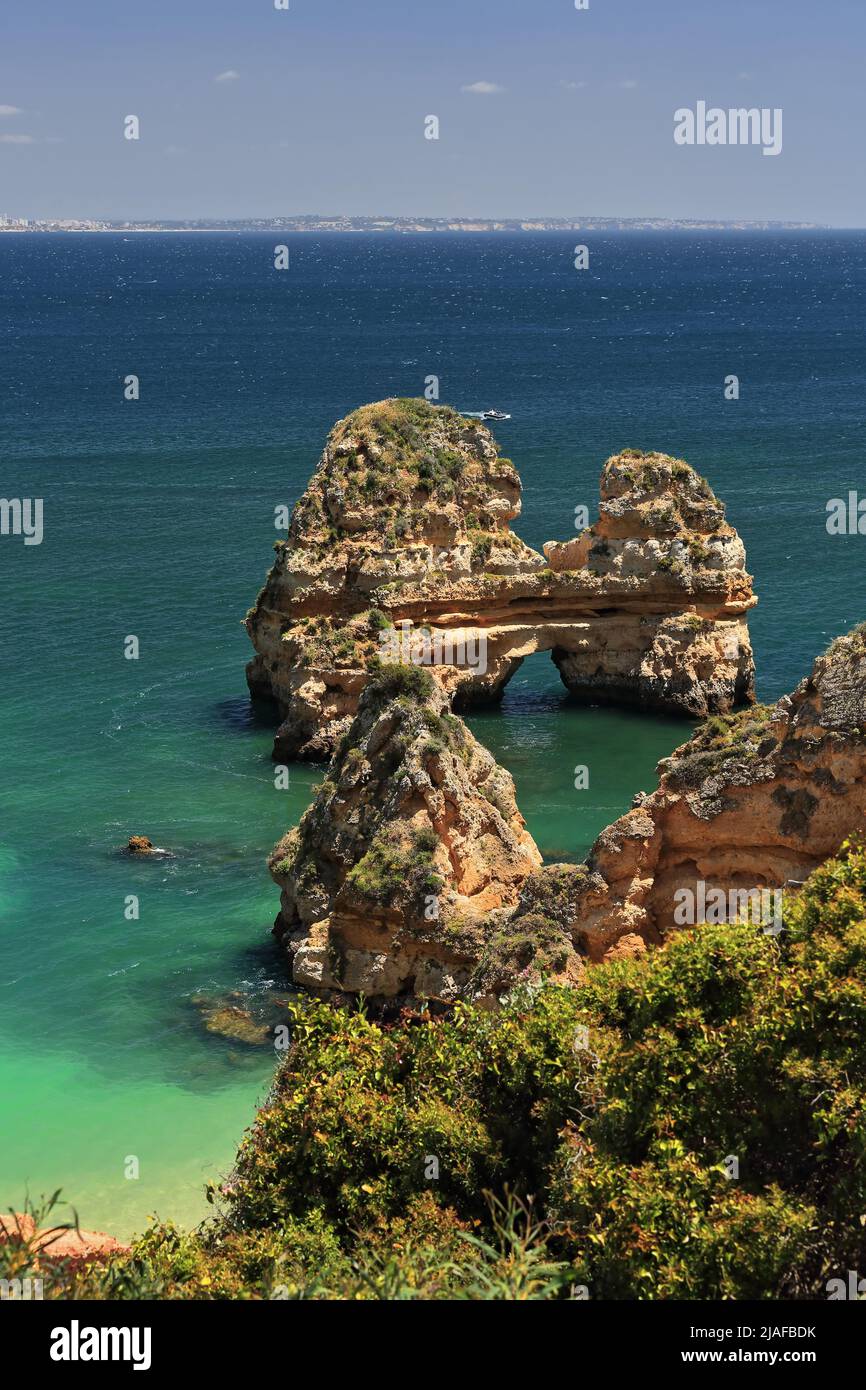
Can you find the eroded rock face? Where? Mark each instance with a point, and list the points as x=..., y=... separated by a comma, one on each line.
x=412, y=842
x=673, y=572
x=414, y=813
x=755, y=800
x=535, y=940
x=404, y=530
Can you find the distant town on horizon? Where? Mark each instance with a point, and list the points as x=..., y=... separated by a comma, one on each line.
x=314, y=222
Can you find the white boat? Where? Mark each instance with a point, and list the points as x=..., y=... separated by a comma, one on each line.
x=494, y=415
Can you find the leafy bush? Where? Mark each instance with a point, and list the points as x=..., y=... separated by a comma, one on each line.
x=727, y=1042
x=392, y=868
x=609, y=1117
x=393, y=679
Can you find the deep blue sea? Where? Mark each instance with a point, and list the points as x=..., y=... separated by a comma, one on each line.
x=158, y=523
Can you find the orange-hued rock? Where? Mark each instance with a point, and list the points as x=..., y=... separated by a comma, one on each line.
x=671, y=572
x=68, y=1245
x=140, y=844
x=753, y=801
x=412, y=843
x=403, y=533
x=413, y=874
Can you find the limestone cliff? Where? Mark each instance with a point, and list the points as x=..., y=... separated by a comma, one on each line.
x=413, y=874
x=403, y=533
x=671, y=573
x=754, y=800
x=412, y=842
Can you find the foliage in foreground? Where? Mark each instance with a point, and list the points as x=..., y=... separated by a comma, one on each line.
x=607, y=1119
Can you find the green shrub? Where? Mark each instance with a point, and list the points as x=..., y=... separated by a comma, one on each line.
x=725, y=1042
x=377, y=621
x=605, y=1116
x=394, y=679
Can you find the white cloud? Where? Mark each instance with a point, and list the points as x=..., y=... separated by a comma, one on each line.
x=744, y=77
x=572, y=86
x=482, y=89
x=10, y=111
x=628, y=83
x=17, y=140
x=228, y=76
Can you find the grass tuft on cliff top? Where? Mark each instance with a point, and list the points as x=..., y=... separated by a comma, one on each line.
x=741, y=735
x=388, y=461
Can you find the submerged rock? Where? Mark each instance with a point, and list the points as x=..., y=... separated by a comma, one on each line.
x=401, y=543
x=141, y=846
x=236, y=1017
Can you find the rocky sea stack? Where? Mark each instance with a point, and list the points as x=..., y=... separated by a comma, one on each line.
x=756, y=799
x=412, y=842
x=403, y=537
x=412, y=874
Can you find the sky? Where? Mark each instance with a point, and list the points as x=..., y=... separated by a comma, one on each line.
x=543, y=109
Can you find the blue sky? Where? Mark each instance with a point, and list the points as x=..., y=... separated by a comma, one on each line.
x=324, y=111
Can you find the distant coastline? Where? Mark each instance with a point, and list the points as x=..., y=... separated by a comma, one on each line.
x=408, y=225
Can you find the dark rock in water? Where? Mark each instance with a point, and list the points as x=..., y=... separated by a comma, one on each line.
x=140, y=845
x=236, y=1017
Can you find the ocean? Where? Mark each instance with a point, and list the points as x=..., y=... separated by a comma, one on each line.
x=159, y=523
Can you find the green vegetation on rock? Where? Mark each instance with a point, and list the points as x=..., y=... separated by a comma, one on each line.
x=742, y=736
x=392, y=868
x=394, y=679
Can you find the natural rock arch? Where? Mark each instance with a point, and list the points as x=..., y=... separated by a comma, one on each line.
x=403, y=537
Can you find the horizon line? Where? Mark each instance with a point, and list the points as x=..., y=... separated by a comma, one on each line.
x=526, y=222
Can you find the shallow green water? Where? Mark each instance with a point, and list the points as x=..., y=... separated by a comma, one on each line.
x=104, y=1055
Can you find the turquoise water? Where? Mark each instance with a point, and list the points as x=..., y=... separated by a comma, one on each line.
x=158, y=523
